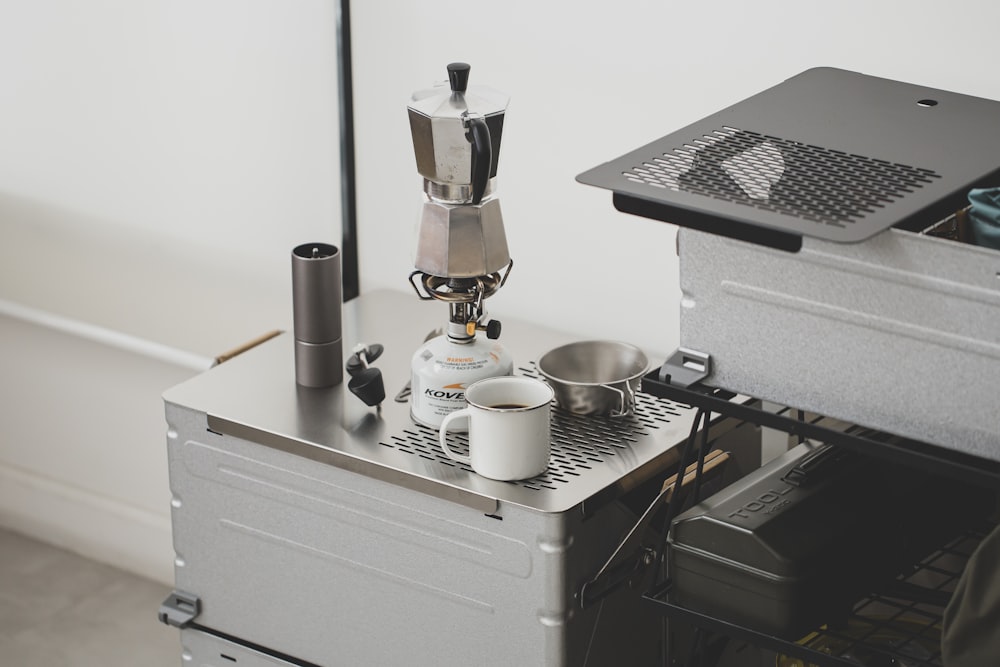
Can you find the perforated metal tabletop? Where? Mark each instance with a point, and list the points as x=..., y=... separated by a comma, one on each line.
x=254, y=397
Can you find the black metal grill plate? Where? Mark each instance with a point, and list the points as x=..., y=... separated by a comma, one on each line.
x=781, y=176
x=829, y=154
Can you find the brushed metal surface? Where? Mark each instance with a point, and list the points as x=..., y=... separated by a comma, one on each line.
x=207, y=650
x=255, y=397
x=897, y=334
x=344, y=569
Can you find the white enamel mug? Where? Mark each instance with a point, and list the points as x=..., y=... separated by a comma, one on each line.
x=508, y=424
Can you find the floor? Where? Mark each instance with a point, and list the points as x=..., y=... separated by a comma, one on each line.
x=58, y=609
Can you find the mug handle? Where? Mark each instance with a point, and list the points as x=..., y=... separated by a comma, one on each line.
x=443, y=434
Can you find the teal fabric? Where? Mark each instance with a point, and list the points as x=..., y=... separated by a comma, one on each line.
x=984, y=216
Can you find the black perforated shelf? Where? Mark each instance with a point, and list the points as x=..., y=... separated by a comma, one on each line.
x=781, y=176
x=830, y=154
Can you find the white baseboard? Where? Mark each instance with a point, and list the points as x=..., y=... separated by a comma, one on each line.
x=86, y=523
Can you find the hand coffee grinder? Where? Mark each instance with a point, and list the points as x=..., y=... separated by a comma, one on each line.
x=461, y=257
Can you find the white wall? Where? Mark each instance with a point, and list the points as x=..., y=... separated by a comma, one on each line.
x=210, y=121
x=159, y=159
x=590, y=80
x=158, y=162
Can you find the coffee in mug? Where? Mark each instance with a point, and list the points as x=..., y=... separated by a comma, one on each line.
x=508, y=424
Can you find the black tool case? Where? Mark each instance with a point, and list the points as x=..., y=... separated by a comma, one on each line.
x=792, y=545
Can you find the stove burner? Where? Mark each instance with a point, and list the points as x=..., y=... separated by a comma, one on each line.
x=465, y=297
x=458, y=290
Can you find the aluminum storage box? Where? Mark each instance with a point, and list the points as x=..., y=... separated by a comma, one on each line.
x=314, y=530
x=899, y=333
x=207, y=650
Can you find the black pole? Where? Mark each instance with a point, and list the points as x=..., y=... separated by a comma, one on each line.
x=348, y=198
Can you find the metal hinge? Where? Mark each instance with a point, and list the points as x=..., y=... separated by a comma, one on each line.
x=685, y=367
x=179, y=609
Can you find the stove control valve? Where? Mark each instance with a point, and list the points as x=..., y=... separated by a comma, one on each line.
x=492, y=328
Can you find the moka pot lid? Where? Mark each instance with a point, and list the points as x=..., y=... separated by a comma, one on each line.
x=455, y=99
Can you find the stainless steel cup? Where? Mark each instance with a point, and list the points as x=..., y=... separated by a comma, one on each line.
x=595, y=377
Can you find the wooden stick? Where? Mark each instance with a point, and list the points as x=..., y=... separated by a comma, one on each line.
x=713, y=461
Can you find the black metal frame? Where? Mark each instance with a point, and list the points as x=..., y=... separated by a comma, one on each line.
x=348, y=194
x=901, y=608
x=905, y=451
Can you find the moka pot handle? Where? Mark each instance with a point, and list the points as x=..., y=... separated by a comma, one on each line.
x=482, y=156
